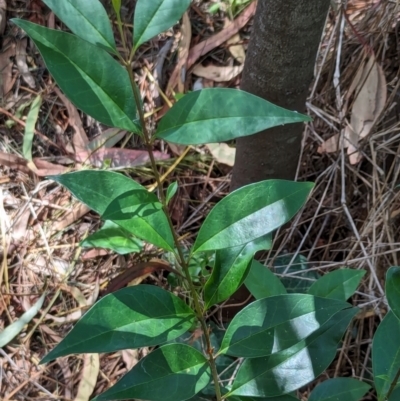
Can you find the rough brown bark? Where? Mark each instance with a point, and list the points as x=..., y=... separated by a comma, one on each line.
x=279, y=68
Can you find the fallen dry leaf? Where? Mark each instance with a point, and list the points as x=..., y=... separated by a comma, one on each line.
x=235, y=46
x=20, y=59
x=78, y=211
x=178, y=76
x=6, y=65
x=118, y=158
x=222, y=153
x=135, y=272
x=79, y=139
x=369, y=87
x=90, y=372
x=45, y=168
x=107, y=139
x=330, y=145
x=226, y=73
x=130, y=357
x=368, y=106
x=218, y=74
x=95, y=253
x=221, y=37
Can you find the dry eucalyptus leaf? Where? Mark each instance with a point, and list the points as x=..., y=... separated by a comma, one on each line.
x=369, y=88
x=368, y=105
x=235, y=47
x=20, y=58
x=218, y=74
x=90, y=372
x=6, y=65
x=222, y=153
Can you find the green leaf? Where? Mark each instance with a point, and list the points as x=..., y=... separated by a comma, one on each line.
x=292, y=368
x=230, y=269
x=97, y=189
x=111, y=236
x=171, y=191
x=393, y=289
x=88, y=75
x=251, y=212
x=285, y=397
x=154, y=17
x=339, y=284
x=271, y=325
x=139, y=316
x=30, y=127
x=219, y=115
x=174, y=372
x=133, y=203
x=116, y=6
x=339, y=389
x=87, y=19
x=386, y=354
x=262, y=283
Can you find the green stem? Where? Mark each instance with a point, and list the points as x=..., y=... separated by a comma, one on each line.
x=393, y=385
x=181, y=258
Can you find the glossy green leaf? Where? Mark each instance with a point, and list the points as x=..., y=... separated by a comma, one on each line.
x=97, y=84
x=97, y=189
x=219, y=115
x=262, y=283
x=171, y=191
x=139, y=316
x=392, y=289
x=295, y=273
x=339, y=389
x=251, y=212
x=111, y=236
x=230, y=269
x=290, y=369
x=87, y=19
x=173, y=372
x=339, y=284
x=154, y=17
x=285, y=397
x=386, y=354
x=30, y=127
x=271, y=325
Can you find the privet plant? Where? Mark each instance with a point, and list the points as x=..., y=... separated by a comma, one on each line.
x=275, y=345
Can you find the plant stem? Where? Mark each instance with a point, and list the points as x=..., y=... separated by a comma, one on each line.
x=393, y=385
x=181, y=258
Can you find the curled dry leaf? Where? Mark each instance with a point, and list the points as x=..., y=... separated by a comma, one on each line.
x=20, y=58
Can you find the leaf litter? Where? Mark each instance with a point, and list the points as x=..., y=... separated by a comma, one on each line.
x=331, y=237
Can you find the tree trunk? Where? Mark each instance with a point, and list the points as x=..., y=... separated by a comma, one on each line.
x=279, y=68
